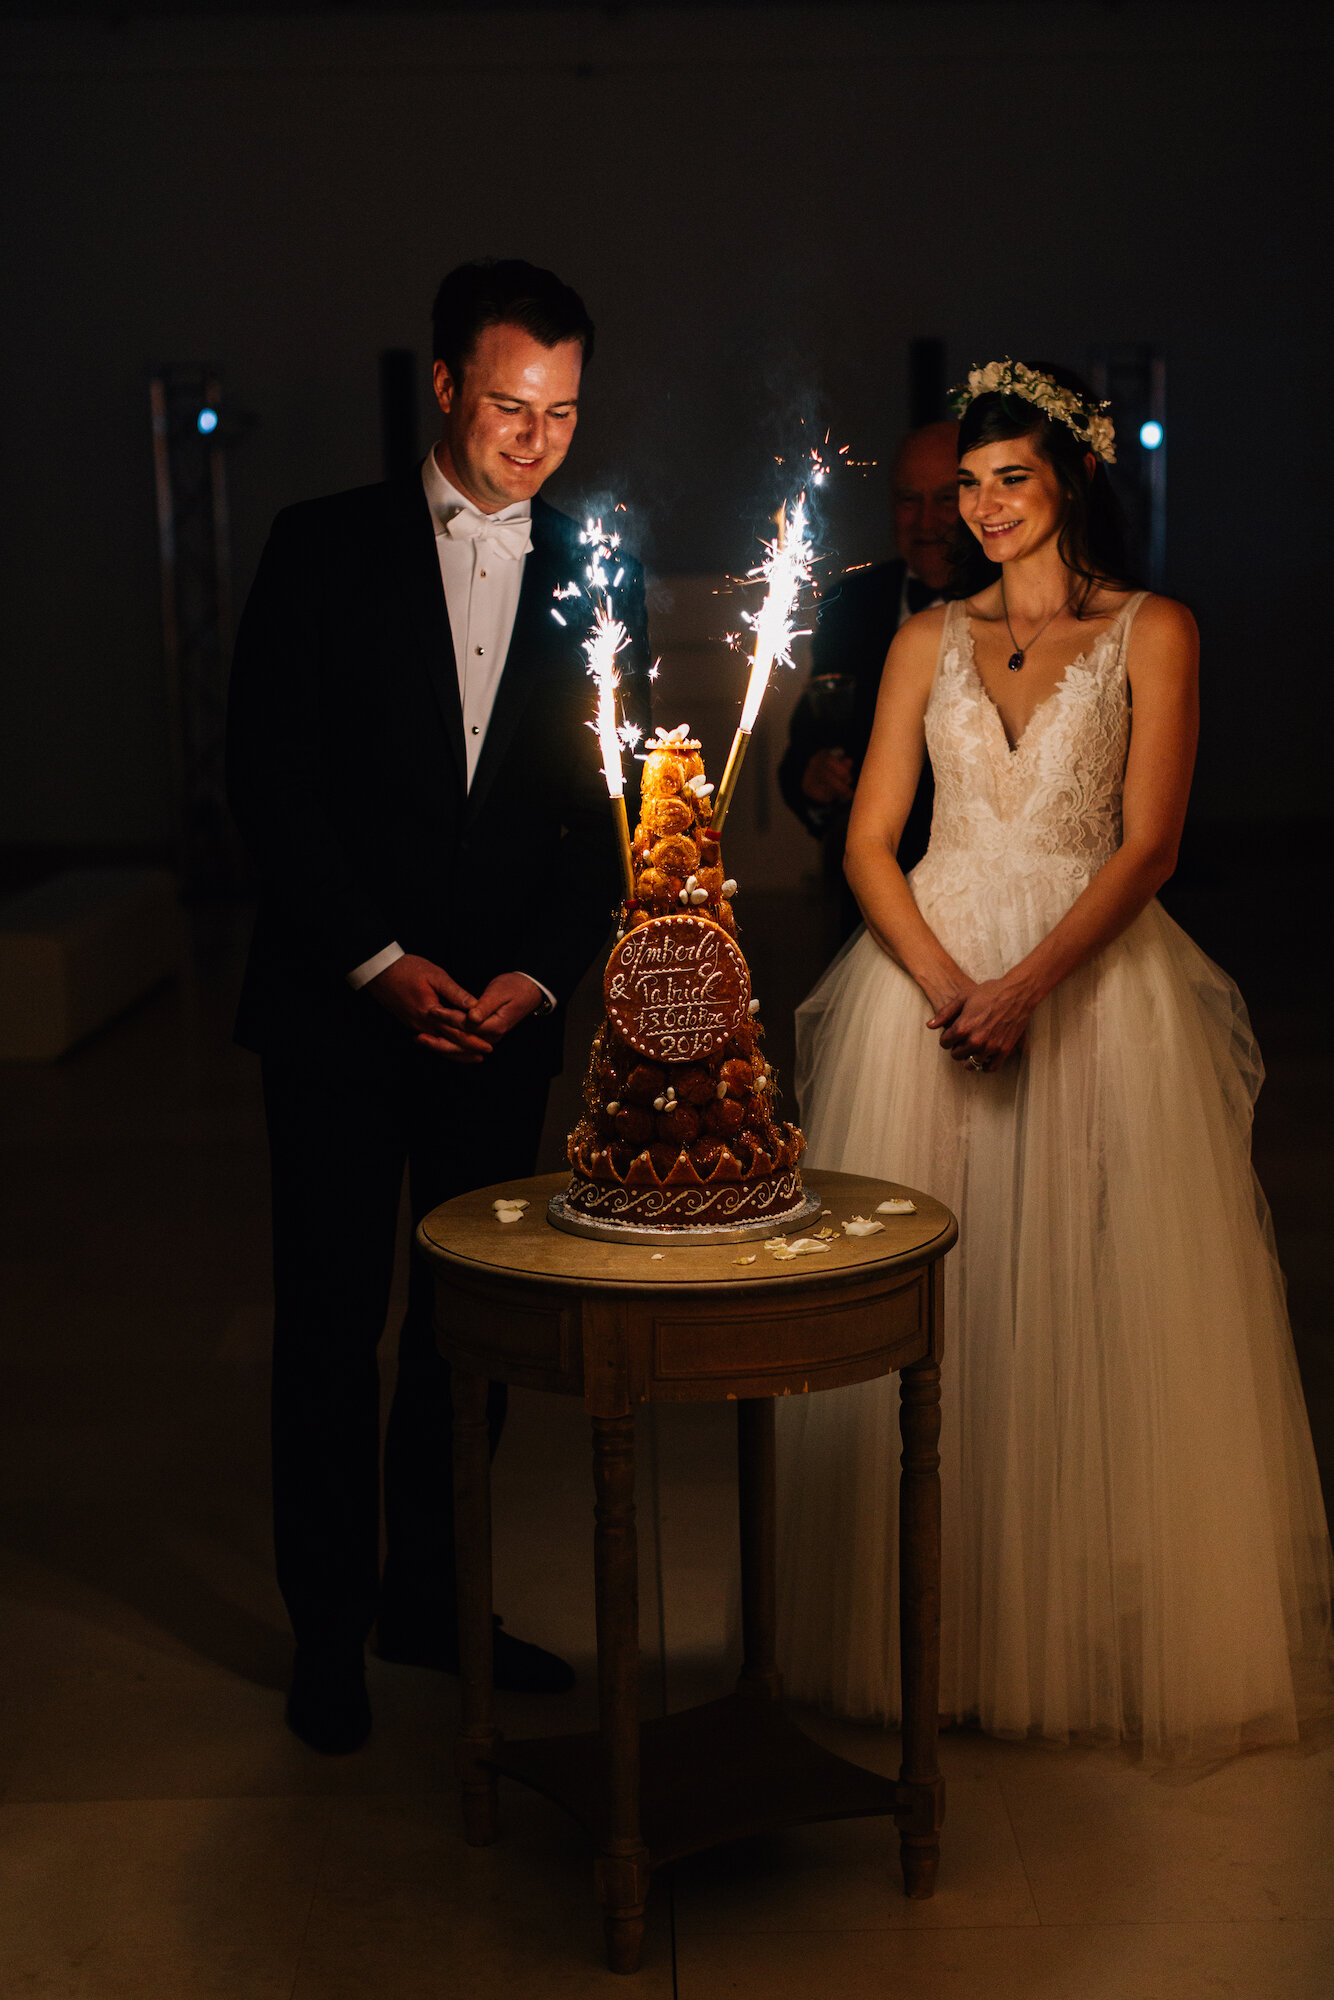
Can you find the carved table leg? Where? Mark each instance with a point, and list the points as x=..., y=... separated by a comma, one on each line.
x=755, y=1485
x=622, y=1869
x=921, y=1789
x=478, y=1734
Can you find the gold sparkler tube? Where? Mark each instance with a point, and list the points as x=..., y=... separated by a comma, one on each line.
x=735, y=759
x=623, y=842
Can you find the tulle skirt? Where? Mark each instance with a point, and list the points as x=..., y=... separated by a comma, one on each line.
x=1135, y=1545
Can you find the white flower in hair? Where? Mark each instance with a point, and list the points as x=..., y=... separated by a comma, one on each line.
x=1089, y=421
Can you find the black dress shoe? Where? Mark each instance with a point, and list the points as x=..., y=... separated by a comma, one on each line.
x=328, y=1706
x=518, y=1667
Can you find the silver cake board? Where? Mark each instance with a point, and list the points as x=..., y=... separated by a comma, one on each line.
x=562, y=1216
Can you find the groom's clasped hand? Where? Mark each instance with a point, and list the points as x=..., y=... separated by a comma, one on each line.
x=444, y=1016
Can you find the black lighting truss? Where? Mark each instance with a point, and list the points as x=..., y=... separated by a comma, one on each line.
x=190, y=438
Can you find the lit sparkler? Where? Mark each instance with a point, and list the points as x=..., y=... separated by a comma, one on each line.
x=607, y=637
x=600, y=649
x=785, y=568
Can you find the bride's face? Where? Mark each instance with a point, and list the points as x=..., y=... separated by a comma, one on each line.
x=1010, y=497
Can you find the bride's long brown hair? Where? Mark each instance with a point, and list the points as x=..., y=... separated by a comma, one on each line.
x=1092, y=542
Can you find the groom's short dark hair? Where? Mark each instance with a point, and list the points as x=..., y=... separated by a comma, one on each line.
x=505, y=292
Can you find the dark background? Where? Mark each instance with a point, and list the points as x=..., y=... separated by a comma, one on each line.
x=762, y=205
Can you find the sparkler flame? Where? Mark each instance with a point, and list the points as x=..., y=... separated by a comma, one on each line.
x=607, y=637
x=605, y=641
x=785, y=569
x=787, y=564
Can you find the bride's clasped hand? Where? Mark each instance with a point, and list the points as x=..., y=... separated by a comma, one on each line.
x=984, y=1023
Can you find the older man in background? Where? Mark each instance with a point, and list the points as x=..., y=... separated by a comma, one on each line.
x=859, y=614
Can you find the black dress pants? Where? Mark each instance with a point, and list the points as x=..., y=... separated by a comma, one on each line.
x=339, y=1138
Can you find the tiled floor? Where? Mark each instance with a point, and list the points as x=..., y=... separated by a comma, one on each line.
x=163, y=1838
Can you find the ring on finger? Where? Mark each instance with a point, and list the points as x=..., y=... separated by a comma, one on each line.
x=973, y=1063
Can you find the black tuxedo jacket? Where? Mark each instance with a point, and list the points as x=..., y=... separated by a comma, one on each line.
x=857, y=619
x=347, y=773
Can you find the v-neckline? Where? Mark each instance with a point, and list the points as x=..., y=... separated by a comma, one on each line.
x=1059, y=687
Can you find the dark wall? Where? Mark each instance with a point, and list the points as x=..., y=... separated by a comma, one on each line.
x=762, y=207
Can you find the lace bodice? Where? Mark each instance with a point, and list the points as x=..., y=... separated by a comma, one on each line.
x=1052, y=805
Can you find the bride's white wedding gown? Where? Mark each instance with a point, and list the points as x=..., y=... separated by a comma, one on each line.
x=1134, y=1540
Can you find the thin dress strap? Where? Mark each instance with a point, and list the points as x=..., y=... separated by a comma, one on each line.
x=1125, y=618
x=1129, y=612
x=954, y=611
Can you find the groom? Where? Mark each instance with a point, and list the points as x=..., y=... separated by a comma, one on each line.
x=410, y=766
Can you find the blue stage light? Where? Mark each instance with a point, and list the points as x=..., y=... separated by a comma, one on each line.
x=1151, y=435
x=207, y=421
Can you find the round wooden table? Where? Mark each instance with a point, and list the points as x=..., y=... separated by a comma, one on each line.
x=622, y=1325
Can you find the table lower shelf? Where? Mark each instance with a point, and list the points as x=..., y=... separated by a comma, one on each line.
x=721, y=1772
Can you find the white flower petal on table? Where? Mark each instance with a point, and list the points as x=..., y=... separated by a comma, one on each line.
x=897, y=1205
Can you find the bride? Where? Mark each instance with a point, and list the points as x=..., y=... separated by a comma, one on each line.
x=1134, y=1541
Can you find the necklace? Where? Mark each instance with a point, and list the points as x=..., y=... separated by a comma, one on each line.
x=1016, y=659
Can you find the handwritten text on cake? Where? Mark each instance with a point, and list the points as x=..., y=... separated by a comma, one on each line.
x=677, y=988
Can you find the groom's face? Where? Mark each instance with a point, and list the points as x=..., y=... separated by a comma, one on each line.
x=508, y=423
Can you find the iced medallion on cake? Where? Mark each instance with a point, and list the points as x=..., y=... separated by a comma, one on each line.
x=677, y=990
x=681, y=1127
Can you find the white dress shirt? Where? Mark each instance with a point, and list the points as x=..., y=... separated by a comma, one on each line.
x=481, y=571
x=482, y=577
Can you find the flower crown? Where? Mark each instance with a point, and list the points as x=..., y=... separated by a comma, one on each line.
x=1089, y=421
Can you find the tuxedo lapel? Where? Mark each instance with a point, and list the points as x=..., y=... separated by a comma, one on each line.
x=534, y=639
x=416, y=584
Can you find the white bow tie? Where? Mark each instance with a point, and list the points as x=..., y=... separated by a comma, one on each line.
x=510, y=539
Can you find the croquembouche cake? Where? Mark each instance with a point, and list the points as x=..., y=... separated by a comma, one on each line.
x=680, y=1129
